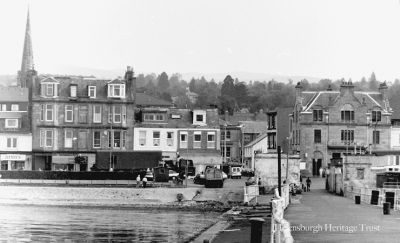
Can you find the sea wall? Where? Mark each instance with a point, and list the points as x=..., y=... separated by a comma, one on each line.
x=93, y=196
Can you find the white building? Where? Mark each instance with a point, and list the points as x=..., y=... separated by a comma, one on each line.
x=156, y=139
x=15, y=134
x=259, y=145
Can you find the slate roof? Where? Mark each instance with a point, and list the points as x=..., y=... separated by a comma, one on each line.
x=254, y=126
x=258, y=139
x=395, y=104
x=143, y=99
x=328, y=98
x=13, y=94
x=184, y=119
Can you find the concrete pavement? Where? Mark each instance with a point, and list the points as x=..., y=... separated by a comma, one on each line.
x=323, y=217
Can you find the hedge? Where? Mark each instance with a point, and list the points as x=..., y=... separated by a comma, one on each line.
x=72, y=175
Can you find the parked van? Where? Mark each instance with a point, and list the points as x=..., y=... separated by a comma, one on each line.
x=235, y=172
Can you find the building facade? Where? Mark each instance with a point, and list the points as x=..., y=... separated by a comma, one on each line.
x=15, y=129
x=76, y=116
x=326, y=125
x=179, y=133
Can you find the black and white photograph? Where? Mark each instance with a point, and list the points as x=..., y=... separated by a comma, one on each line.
x=200, y=121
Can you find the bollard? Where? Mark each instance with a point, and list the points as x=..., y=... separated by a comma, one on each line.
x=386, y=208
x=256, y=230
x=358, y=199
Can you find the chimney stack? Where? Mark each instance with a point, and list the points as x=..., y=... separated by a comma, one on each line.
x=346, y=88
x=383, y=90
x=130, y=82
x=299, y=89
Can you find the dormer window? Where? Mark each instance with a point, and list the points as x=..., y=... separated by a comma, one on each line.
x=376, y=116
x=49, y=89
x=317, y=115
x=199, y=117
x=116, y=90
x=14, y=107
x=154, y=117
x=72, y=90
x=92, y=91
x=11, y=123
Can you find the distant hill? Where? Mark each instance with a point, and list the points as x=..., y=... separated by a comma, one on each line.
x=115, y=73
x=248, y=76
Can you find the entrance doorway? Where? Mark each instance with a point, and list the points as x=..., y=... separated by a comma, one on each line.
x=317, y=163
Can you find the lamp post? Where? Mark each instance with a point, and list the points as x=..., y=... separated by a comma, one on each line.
x=242, y=143
x=225, y=125
x=187, y=158
x=287, y=158
x=111, y=147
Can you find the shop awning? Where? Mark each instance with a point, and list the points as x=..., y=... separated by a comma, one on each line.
x=63, y=159
x=202, y=158
x=11, y=114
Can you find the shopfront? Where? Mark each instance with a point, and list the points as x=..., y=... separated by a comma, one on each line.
x=15, y=162
x=69, y=162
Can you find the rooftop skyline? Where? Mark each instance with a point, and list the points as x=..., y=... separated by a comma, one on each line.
x=325, y=39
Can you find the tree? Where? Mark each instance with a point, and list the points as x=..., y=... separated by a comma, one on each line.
x=241, y=94
x=166, y=96
x=150, y=88
x=163, y=82
x=228, y=87
x=140, y=80
x=373, y=84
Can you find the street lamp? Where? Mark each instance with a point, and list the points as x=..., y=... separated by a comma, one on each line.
x=287, y=157
x=111, y=146
x=187, y=157
x=225, y=125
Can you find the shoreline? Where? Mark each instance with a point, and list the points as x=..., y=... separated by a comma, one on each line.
x=191, y=207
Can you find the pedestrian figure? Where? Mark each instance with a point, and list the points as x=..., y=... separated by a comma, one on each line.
x=308, y=181
x=138, y=181
x=144, y=182
x=320, y=171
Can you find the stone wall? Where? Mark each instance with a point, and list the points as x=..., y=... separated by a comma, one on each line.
x=266, y=168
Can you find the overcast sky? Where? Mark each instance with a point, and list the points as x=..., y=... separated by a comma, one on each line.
x=333, y=39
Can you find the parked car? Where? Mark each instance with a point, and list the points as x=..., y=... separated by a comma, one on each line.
x=149, y=175
x=214, y=177
x=173, y=174
x=199, y=179
x=235, y=172
x=224, y=175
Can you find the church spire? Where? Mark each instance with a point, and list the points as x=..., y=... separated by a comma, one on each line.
x=27, y=56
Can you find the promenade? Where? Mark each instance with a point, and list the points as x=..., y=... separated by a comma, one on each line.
x=323, y=217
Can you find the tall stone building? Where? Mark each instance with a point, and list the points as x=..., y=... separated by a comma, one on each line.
x=89, y=117
x=326, y=125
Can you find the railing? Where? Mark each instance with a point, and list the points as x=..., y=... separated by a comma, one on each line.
x=391, y=185
x=366, y=195
x=280, y=228
x=251, y=192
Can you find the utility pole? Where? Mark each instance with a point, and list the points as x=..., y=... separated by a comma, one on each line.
x=279, y=171
x=187, y=159
x=111, y=146
x=287, y=159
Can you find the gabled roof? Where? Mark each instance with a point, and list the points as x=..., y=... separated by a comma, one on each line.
x=328, y=98
x=395, y=104
x=143, y=99
x=15, y=94
x=257, y=140
x=49, y=79
x=254, y=126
